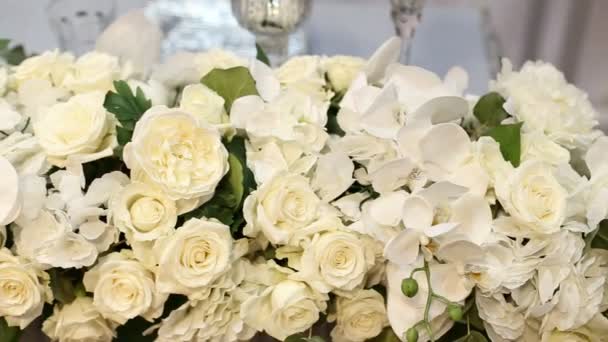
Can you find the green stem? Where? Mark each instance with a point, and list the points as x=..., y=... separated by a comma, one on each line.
x=419, y=269
x=442, y=299
x=429, y=300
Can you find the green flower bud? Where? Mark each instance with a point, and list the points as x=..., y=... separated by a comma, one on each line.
x=455, y=312
x=411, y=335
x=409, y=287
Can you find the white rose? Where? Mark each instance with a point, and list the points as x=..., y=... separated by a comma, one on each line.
x=280, y=207
x=536, y=146
x=93, y=71
x=360, y=317
x=2, y=236
x=532, y=195
x=216, y=59
x=37, y=95
x=204, y=103
x=79, y=129
x=23, y=290
x=540, y=97
x=183, y=156
x=341, y=70
x=49, y=240
x=335, y=260
x=78, y=321
x=143, y=212
x=123, y=289
x=284, y=309
x=23, y=151
x=51, y=66
x=193, y=257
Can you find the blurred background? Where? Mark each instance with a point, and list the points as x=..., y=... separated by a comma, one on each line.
x=470, y=33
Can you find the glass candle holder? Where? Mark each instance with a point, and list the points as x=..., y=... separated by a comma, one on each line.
x=271, y=21
x=406, y=15
x=78, y=23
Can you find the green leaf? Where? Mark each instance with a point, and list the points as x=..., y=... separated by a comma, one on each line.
x=127, y=108
x=473, y=336
x=489, y=110
x=62, y=286
x=509, y=139
x=230, y=84
x=598, y=238
x=14, y=55
x=227, y=203
x=8, y=334
x=261, y=55
x=387, y=335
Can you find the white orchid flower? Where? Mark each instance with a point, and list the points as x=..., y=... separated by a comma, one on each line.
x=435, y=211
x=597, y=189
x=10, y=204
x=404, y=312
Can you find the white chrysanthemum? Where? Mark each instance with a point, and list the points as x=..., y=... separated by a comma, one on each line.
x=540, y=97
x=215, y=317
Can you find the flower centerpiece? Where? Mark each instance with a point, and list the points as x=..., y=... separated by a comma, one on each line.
x=217, y=198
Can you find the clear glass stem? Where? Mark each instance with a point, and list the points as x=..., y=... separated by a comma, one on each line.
x=406, y=16
x=275, y=46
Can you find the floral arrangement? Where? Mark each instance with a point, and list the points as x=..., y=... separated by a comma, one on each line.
x=215, y=198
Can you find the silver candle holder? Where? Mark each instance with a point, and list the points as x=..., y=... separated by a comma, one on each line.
x=406, y=15
x=271, y=21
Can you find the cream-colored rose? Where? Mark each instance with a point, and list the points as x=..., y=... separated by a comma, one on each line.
x=360, y=317
x=532, y=195
x=204, y=103
x=537, y=146
x=79, y=129
x=52, y=66
x=280, y=207
x=78, y=321
x=284, y=309
x=2, y=236
x=182, y=155
x=335, y=260
x=216, y=59
x=194, y=256
x=23, y=290
x=93, y=71
x=341, y=70
x=123, y=288
x=143, y=212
